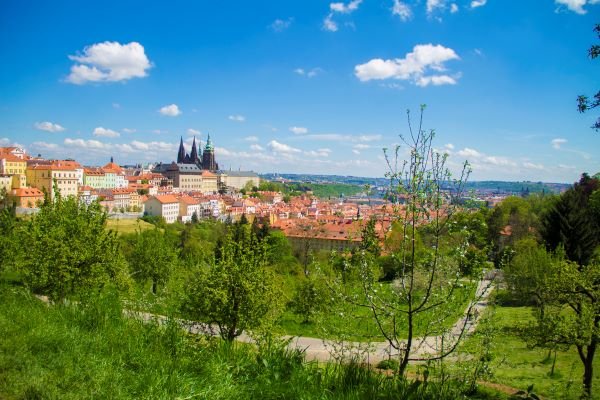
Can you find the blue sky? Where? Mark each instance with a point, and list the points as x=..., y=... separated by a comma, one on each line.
x=304, y=86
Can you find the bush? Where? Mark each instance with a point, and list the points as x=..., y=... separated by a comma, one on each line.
x=390, y=364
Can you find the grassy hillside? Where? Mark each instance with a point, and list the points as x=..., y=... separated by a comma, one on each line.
x=122, y=226
x=78, y=352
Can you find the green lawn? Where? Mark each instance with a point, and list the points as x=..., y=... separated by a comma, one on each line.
x=357, y=323
x=516, y=365
x=122, y=226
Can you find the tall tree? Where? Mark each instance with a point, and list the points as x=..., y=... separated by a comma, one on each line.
x=153, y=258
x=573, y=222
x=66, y=250
x=236, y=293
x=426, y=284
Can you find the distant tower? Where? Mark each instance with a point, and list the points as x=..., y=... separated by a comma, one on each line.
x=208, y=156
x=181, y=153
x=194, y=159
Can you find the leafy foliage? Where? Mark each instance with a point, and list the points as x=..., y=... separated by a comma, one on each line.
x=66, y=250
x=583, y=102
x=153, y=258
x=237, y=292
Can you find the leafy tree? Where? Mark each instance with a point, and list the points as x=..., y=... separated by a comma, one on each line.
x=153, y=258
x=309, y=299
x=574, y=222
x=370, y=240
x=237, y=293
x=568, y=311
x=583, y=102
x=566, y=286
x=67, y=250
x=8, y=224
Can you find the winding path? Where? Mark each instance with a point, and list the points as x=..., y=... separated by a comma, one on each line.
x=373, y=352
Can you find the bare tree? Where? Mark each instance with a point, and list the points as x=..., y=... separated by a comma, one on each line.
x=424, y=297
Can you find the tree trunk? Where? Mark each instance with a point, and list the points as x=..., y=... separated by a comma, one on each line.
x=588, y=369
x=404, y=362
x=154, y=287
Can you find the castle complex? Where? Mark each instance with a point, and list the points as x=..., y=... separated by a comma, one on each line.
x=205, y=162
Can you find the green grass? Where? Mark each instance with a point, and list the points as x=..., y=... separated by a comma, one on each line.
x=357, y=323
x=122, y=226
x=516, y=365
x=92, y=351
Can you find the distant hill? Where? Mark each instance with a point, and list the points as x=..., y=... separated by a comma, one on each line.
x=491, y=187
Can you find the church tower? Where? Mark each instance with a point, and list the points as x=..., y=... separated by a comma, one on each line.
x=208, y=156
x=181, y=154
x=194, y=159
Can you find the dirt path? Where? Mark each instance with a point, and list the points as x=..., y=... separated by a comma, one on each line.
x=373, y=352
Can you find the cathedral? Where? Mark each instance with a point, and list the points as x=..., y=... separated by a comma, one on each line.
x=206, y=161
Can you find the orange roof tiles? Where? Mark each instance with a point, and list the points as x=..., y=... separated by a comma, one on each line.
x=166, y=199
x=27, y=192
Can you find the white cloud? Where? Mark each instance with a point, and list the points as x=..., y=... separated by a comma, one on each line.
x=499, y=161
x=310, y=73
x=280, y=25
x=336, y=137
x=251, y=139
x=128, y=130
x=341, y=8
x=157, y=146
x=298, y=130
x=278, y=147
x=361, y=146
x=44, y=146
x=481, y=160
x=325, y=152
x=171, y=110
x=402, y=10
x=564, y=166
x=329, y=24
x=193, y=132
x=356, y=151
x=48, y=127
x=531, y=165
x=467, y=152
x=413, y=67
x=100, y=131
x=453, y=8
x=449, y=146
x=436, y=80
x=433, y=5
x=237, y=118
x=478, y=3
x=574, y=5
x=116, y=105
x=86, y=144
x=109, y=62
x=345, y=8
x=558, y=142
x=256, y=147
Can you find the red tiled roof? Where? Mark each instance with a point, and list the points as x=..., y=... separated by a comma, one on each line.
x=166, y=199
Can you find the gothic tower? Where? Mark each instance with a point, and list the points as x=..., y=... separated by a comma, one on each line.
x=194, y=159
x=181, y=153
x=208, y=156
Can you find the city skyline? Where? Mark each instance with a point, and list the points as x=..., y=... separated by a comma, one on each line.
x=304, y=87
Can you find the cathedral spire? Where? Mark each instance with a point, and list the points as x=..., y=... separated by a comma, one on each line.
x=181, y=153
x=194, y=154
